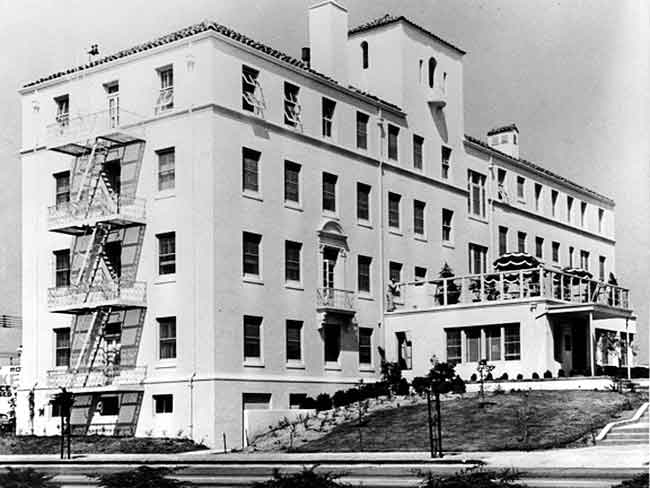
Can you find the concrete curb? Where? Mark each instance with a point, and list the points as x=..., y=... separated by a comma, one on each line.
x=639, y=413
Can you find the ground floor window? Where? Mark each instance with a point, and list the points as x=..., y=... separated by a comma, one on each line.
x=365, y=345
x=163, y=403
x=404, y=351
x=473, y=344
x=108, y=405
x=495, y=342
x=332, y=340
x=453, y=346
x=512, y=342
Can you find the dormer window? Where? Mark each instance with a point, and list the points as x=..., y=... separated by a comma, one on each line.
x=252, y=95
x=432, y=71
x=292, y=108
x=364, y=55
x=62, y=109
x=166, y=94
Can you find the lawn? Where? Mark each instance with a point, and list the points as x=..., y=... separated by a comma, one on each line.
x=509, y=421
x=10, y=444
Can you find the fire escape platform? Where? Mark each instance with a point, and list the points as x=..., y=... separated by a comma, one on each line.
x=126, y=379
x=77, y=300
x=76, y=223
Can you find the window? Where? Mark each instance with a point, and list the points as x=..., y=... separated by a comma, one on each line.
x=447, y=220
x=166, y=169
x=291, y=182
x=62, y=185
x=252, y=337
x=109, y=405
x=418, y=144
x=113, y=97
x=393, y=210
x=62, y=110
x=252, y=98
x=538, y=197
x=250, y=170
x=583, y=213
x=166, y=253
x=511, y=342
x=166, y=94
x=251, y=253
x=329, y=192
x=569, y=208
x=503, y=240
x=539, y=247
x=445, y=159
x=292, y=260
x=328, y=107
x=292, y=107
x=404, y=351
x=364, y=55
x=432, y=72
x=62, y=268
x=554, y=195
x=476, y=187
x=601, y=218
x=393, y=135
x=363, y=273
x=332, y=339
x=477, y=259
x=473, y=344
x=601, y=268
x=167, y=337
x=395, y=272
x=363, y=202
x=521, y=182
x=584, y=259
x=453, y=346
x=362, y=130
x=501, y=185
x=365, y=345
x=420, y=273
x=504, y=138
x=493, y=343
x=521, y=241
x=163, y=403
x=571, y=252
x=62, y=347
x=555, y=251
x=296, y=400
x=294, y=340
x=418, y=217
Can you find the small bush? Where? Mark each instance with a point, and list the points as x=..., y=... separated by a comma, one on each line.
x=498, y=390
x=339, y=398
x=640, y=372
x=323, y=402
x=560, y=373
x=23, y=478
x=458, y=385
x=473, y=377
x=308, y=403
x=403, y=387
x=472, y=478
x=141, y=477
x=489, y=377
x=504, y=377
x=548, y=374
x=535, y=376
x=614, y=371
x=639, y=481
x=520, y=377
x=308, y=478
x=420, y=384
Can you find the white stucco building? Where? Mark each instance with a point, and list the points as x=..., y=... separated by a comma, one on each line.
x=210, y=226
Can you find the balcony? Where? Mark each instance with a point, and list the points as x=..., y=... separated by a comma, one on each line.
x=333, y=300
x=57, y=378
x=80, y=298
x=497, y=288
x=437, y=97
x=74, y=135
x=74, y=217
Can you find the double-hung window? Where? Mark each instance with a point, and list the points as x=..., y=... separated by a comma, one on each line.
x=62, y=110
x=363, y=202
x=503, y=240
x=167, y=253
x=62, y=268
x=418, y=147
x=166, y=169
x=252, y=337
x=167, y=337
x=365, y=345
x=418, y=217
x=62, y=182
x=473, y=344
x=584, y=259
x=447, y=220
x=250, y=170
x=294, y=340
x=493, y=343
x=251, y=254
x=291, y=182
x=328, y=108
x=62, y=347
x=539, y=247
x=445, y=162
x=362, y=130
x=453, y=346
x=292, y=108
x=393, y=142
x=329, y=192
x=511, y=342
x=477, y=259
x=394, y=210
x=521, y=241
x=292, y=251
x=555, y=251
x=166, y=93
x=363, y=273
x=477, y=198
x=395, y=272
x=252, y=97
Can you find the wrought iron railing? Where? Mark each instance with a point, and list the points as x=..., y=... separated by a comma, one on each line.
x=120, y=291
x=335, y=299
x=505, y=286
x=87, y=126
x=123, y=207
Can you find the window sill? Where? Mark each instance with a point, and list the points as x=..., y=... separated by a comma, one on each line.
x=333, y=367
x=253, y=363
x=253, y=280
x=252, y=196
x=162, y=279
x=395, y=232
x=294, y=206
x=420, y=238
x=366, y=368
x=165, y=194
x=368, y=298
x=330, y=215
x=448, y=244
x=294, y=285
x=295, y=365
x=364, y=223
x=477, y=218
x=166, y=364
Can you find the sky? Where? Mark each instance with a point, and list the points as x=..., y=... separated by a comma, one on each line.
x=572, y=74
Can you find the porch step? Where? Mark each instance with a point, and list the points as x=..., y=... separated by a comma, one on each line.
x=637, y=432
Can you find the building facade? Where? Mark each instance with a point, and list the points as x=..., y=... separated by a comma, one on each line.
x=210, y=227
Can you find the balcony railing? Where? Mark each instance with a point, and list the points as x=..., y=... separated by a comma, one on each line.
x=81, y=128
x=506, y=286
x=120, y=293
x=122, y=376
x=122, y=209
x=334, y=300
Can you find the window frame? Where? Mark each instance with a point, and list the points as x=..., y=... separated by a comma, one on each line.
x=256, y=322
x=329, y=358
x=476, y=187
x=62, y=348
x=418, y=152
x=394, y=213
x=393, y=142
x=445, y=161
x=419, y=218
x=327, y=120
x=362, y=130
x=168, y=174
x=291, y=104
x=290, y=342
x=455, y=347
x=503, y=240
x=362, y=262
x=168, y=258
x=521, y=188
x=251, y=177
x=328, y=195
x=555, y=251
x=297, y=169
x=367, y=204
x=63, y=271
x=365, y=349
x=248, y=255
x=539, y=247
x=512, y=340
x=166, y=90
x=167, y=342
x=61, y=188
x=292, y=266
x=447, y=227
x=480, y=251
x=522, y=241
x=163, y=404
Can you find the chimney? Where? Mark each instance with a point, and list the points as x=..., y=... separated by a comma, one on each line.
x=505, y=139
x=306, y=57
x=328, y=38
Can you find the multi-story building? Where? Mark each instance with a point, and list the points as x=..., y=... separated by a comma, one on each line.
x=210, y=225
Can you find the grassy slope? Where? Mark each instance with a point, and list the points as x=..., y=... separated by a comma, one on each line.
x=560, y=418
x=95, y=444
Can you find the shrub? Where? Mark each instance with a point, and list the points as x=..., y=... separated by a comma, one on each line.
x=498, y=390
x=640, y=372
x=639, y=481
x=308, y=403
x=323, y=402
x=22, y=478
x=403, y=387
x=548, y=374
x=504, y=376
x=391, y=374
x=472, y=478
x=420, y=384
x=352, y=395
x=458, y=385
x=308, y=478
x=560, y=373
x=473, y=377
x=489, y=377
x=141, y=477
x=340, y=398
x=612, y=371
x=520, y=377
x=535, y=376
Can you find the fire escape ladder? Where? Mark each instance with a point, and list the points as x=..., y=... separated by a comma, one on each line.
x=105, y=313
x=98, y=252
x=89, y=165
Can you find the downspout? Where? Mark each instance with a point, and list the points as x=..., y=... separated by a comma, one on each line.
x=190, y=427
x=382, y=265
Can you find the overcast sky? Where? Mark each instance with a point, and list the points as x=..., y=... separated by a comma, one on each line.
x=573, y=75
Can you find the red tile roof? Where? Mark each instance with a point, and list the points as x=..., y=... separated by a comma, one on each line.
x=391, y=19
x=200, y=28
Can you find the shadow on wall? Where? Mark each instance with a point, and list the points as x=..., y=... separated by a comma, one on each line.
x=439, y=119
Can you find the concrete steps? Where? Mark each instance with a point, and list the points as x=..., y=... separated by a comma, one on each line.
x=637, y=432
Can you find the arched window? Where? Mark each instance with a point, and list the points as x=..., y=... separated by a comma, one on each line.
x=364, y=54
x=432, y=71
